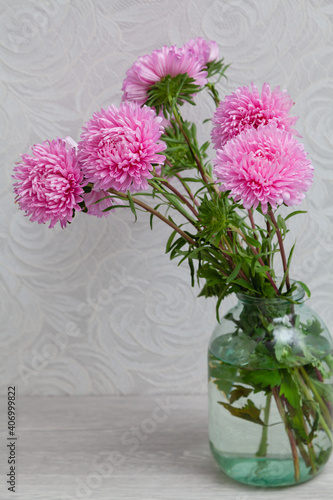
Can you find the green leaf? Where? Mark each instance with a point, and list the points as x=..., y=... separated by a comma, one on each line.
x=190, y=263
x=325, y=390
x=131, y=204
x=249, y=412
x=295, y=213
x=313, y=327
x=223, y=375
x=323, y=456
x=282, y=225
x=254, y=262
x=262, y=379
x=112, y=207
x=219, y=300
x=295, y=418
x=314, y=427
x=170, y=240
x=288, y=267
x=238, y=392
x=303, y=285
x=284, y=353
x=235, y=272
x=289, y=389
x=252, y=241
x=174, y=200
x=245, y=284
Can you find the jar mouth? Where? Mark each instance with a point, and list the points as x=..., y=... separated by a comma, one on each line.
x=296, y=296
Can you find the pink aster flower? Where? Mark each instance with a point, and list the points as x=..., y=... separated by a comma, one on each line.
x=119, y=148
x=246, y=108
x=151, y=68
x=265, y=165
x=49, y=183
x=94, y=208
x=205, y=50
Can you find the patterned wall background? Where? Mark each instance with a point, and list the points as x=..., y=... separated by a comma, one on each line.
x=98, y=308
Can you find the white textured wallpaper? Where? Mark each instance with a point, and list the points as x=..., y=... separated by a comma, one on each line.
x=98, y=308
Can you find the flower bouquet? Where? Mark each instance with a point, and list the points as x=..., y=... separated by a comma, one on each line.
x=270, y=357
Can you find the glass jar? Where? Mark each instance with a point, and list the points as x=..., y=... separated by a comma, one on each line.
x=271, y=391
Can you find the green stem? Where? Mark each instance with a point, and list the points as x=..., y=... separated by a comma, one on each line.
x=250, y=212
x=186, y=187
x=203, y=173
x=214, y=93
x=188, y=141
x=182, y=210
x=180, y=196
x=262, y=450
x=283, y=253
x=312, y=454
x=325, y=412
x=268, y=227
x=255, y=252
x=157, y=214
x=290, y=434
x=310, y=458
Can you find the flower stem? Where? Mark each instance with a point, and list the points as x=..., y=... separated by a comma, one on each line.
x=291, y=436
x=305, y=387
x=186, y=187
x=322, y=405
x=262, y=450
x=310, y=458
x=157, y=214
x=250, y=212
x=312, y=454
x=180, y=196
x=188, y=141
x=205, y=177
x=283, y=254
x=268, y=227
x=255, y=252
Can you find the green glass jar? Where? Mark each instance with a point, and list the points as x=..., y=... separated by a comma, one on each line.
x=271, y=392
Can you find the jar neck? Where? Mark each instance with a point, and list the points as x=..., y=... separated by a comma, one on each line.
x=297, y=297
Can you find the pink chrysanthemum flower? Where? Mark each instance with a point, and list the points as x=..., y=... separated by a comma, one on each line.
x=49, y=183
x=265, y=165
x=151, y=68
x=246, y=108
x=94, y=208
x=205, y=50
x=118, y=148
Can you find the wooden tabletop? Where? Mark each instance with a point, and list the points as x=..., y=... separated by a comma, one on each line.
x=103, y=448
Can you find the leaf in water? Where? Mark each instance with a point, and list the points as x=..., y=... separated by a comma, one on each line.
x=313, y=326
x=249, y=412
x=238, y=392
x=296, y=421
x=323, y=455
x=261, y=379
x=289, y=389
x=325, y=390
x=223, y=376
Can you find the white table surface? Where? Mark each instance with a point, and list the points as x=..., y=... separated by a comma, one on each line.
x=150, y=448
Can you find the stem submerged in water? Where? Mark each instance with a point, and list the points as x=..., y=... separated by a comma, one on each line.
x=290, y=434
x=262, y=450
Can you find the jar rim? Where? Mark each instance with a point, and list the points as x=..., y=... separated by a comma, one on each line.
x=296, y=296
